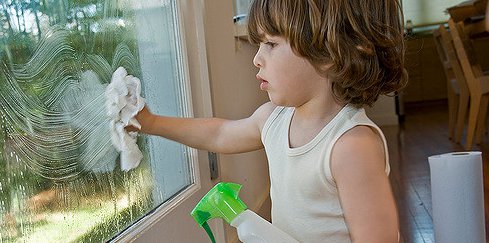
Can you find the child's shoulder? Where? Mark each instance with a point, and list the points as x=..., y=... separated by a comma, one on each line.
x=361, y=138
x=360, y=134
x=359, y=147
x=261, y=114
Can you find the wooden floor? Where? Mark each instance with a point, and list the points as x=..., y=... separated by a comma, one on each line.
x=423, y=133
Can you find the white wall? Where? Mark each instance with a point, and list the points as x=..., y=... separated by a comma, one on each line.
x=423, y=12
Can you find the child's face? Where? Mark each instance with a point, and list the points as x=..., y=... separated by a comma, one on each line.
x=289, y=79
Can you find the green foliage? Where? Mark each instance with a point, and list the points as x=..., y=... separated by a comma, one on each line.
x=116, y=223
x=92, y=30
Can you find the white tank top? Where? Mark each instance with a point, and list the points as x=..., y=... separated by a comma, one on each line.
x=305, y=201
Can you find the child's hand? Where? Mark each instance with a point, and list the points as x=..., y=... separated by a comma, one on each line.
x=145, y=118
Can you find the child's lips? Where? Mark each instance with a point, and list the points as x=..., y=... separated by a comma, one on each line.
x=263, y=83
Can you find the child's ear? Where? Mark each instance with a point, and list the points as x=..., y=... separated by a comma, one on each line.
x=324, y=69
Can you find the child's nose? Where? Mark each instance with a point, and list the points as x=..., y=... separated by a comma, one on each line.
x=257, y=61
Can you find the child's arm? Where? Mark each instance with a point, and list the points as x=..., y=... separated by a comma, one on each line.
x=213, y=134
x=358, y=166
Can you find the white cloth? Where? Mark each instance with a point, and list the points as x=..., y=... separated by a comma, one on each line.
x=123, y=102
x=305, y=200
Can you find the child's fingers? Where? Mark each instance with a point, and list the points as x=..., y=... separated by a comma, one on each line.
x=131, y=128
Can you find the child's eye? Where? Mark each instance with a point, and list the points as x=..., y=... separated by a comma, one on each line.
x=270, y=44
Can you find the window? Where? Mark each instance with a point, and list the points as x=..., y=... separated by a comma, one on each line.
x=427, y=12
x=241, y=7
x=59, y=174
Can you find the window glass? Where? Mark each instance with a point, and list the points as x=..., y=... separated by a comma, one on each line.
x=60, y=177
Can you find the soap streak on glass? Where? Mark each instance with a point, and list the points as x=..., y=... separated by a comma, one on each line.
x=60, y=178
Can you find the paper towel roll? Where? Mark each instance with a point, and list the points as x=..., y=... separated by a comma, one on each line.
x=457, y=195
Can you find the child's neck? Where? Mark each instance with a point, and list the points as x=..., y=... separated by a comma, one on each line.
x=321, y=110
x=309, y=119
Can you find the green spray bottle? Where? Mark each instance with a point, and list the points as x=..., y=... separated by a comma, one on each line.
x=222, y=201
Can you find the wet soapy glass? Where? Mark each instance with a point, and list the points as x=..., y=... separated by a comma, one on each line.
x=60, y=178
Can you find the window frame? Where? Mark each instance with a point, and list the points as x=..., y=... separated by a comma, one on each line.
x=190, y=18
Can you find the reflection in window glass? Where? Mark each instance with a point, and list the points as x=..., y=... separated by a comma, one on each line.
x=60, y=179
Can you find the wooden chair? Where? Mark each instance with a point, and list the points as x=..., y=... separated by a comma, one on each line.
x=477, y=83
x=457, y=90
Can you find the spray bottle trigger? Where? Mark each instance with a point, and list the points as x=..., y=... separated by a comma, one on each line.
x=232, y=188
x=221, y=201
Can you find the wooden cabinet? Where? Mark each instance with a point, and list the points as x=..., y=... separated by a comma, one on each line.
x=427, y=79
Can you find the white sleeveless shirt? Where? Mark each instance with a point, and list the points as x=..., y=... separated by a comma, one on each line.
x=305, y=201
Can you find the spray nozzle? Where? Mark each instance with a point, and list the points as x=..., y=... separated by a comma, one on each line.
x=221, y=201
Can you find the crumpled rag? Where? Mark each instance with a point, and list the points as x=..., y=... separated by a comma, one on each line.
x=123, y=102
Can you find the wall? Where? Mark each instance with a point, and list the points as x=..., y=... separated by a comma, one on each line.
x=422, y=12
x=383, y=112
x=235, y=94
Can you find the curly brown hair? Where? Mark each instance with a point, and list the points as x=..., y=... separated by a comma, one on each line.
x=357, y=44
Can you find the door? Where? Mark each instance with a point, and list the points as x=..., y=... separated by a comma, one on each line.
x=60, y=177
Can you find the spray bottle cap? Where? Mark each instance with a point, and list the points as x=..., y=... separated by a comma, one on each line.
x=221, y=201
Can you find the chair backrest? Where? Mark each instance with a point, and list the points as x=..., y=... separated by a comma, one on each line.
x=466, y=56
x=442, y=54
x=439, y=48
x=444, y=43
